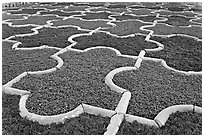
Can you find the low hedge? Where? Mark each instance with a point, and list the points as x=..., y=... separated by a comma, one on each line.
x=127, y=46
x=80, y=80
x=14, y=124
x=15, y=62
x=186, y=123
x=181, y=53
x=36, y=20
x=55, y=37
x=154, y=88
x=8, y=31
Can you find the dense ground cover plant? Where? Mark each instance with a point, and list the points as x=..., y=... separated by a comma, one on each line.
x=127, y=28
x=14, y=124
x=167, y=13
x=162, y=29
x=99, y=15
x=186, y=123
x=91, y=25
x=114, y=10
x=60, y=13
x=6, y=16
x=80, y=80
x=75, y=8
x=177, y=20
x=55, y=37
x=127, y=46
x=153, y=88
x=8, y=31
x=15, y=62
x=35, y=20
x=181, y=53
x=27, y=11
x=141, y=11
x=148, y=18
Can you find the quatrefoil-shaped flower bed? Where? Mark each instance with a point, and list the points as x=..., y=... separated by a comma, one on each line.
x=79, y=80
x=154, y=88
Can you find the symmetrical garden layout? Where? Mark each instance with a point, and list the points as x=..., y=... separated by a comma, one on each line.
x=102, y=68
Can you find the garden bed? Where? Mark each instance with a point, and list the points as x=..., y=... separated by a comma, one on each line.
x=127, y=46
x=26, y=11
x=75, y=8
x=60, y=13
x=10, y=16
x=141, y=11
x=127, y=28
x=35, y=20
x=91, y=25
x=186, y=123
x=13, y=124
x=55, y=37
x=154, y=88
x=176, y=20
x=181, y=53
x=8, y=31
x=162, y=29
x=80, y=80
x=99, y=15
x=148, y=18
x=15, y=62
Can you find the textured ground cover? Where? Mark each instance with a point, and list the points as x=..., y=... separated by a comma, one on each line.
x=115, y=10
x=60, y=13
x=127, y=46
x=91, y=25
x=184, y=13
x=8, y=31
x=176, y=20
x=36, y=20
x=27, y=11
x=113, y=6
x=146, y=6
x=181, y=53
x=186, y=123
x=162, y=29
x=175, y=6
x=148, y=18
x=141, y=11
x=14, y=124
x=154, y=88
x=127, y=28
x=75, y=8
x=80, y=80
x=15, y=62
x=99, y=15
x=10, y=16
x=55, y=37
x=198, y=20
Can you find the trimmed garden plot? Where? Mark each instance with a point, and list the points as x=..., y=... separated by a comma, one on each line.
x=75, y=8
x=55, y=37
x=163, y=29
x=5, y=16
x=148, y=18
x=127, y=28
x=35, y=20
x=60, y=13
x=181, y=53
x=14, y=124
x=90, y=25
x=110, y=10
x=15, y=62
x=141, y=11
x=184, y=13
x=80, y=80
x=176, y=20
x=186, y=123
x=127, y=46
x=27, y=11
x=98, y=15
x=154, y=88
x=8, y=31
